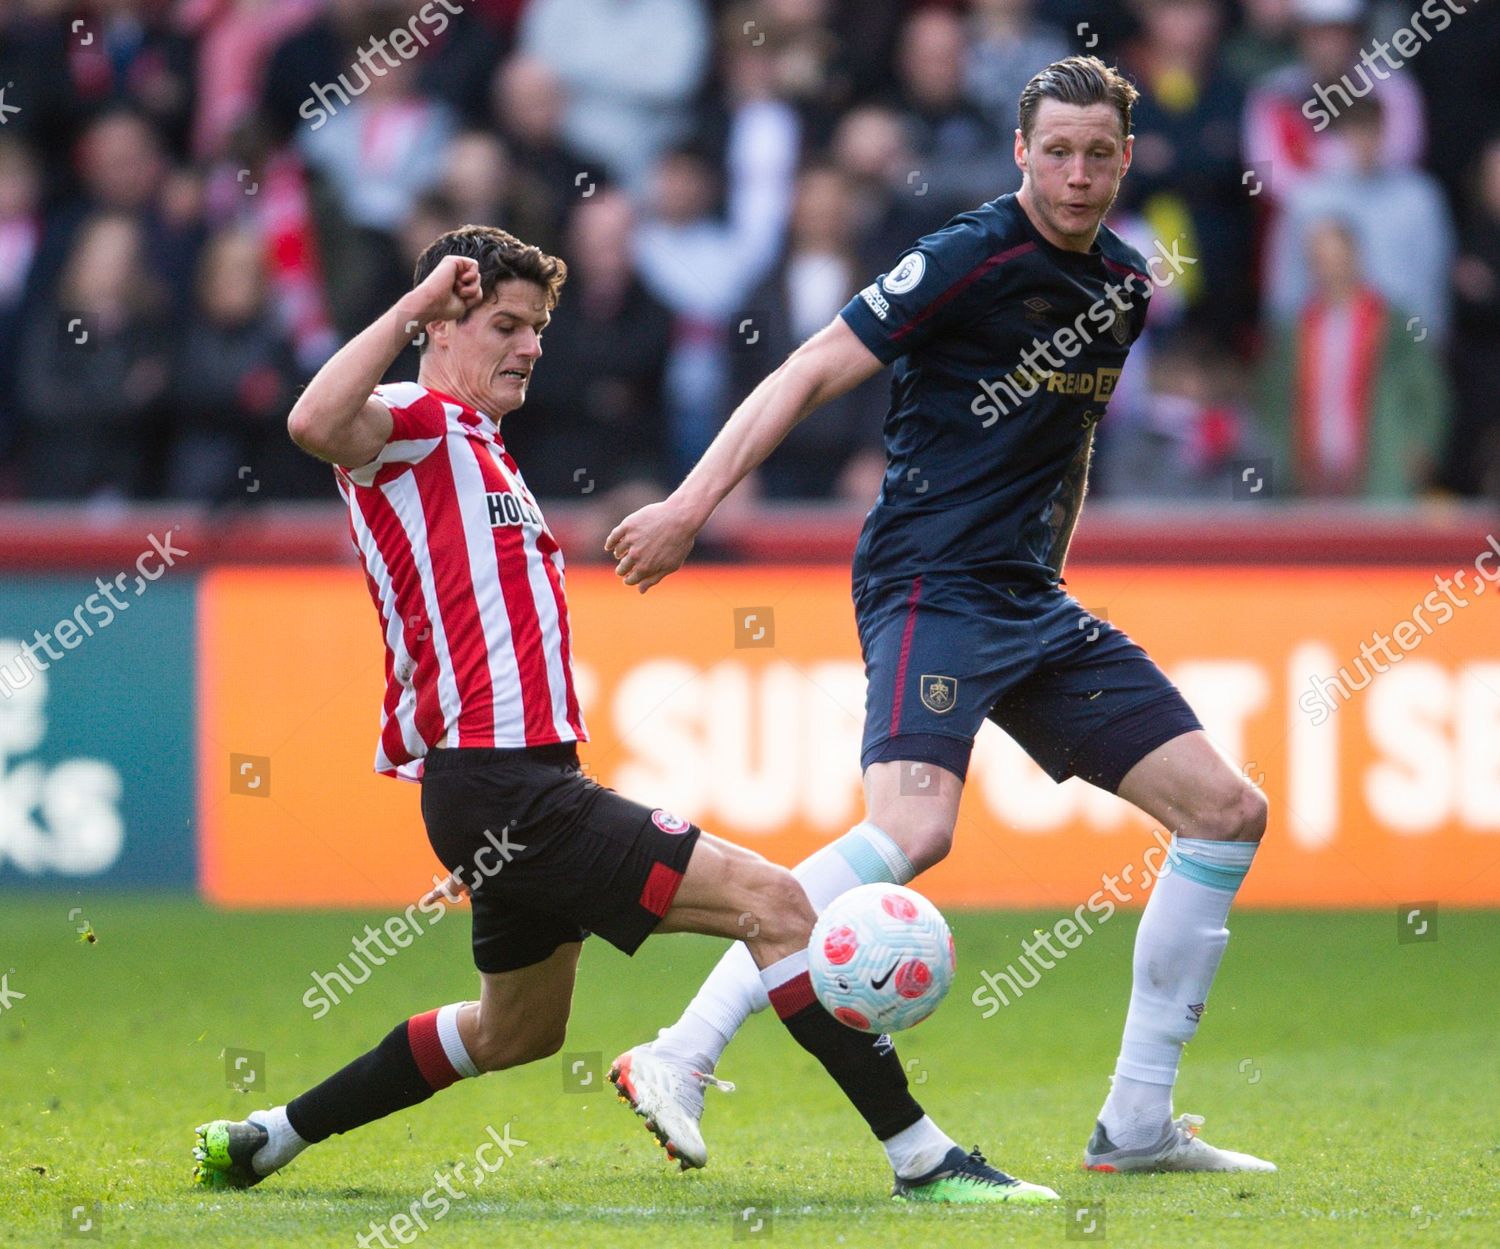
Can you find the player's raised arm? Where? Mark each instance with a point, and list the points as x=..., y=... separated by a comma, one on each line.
x=654, y=541
x=334, y=418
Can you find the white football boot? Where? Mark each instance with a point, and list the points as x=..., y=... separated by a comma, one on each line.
x=1178, y=1150
x=668, y=1094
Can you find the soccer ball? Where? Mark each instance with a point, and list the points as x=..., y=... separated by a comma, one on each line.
x=881, y=958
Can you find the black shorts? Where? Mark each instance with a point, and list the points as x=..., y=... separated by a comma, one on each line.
x=549, y=855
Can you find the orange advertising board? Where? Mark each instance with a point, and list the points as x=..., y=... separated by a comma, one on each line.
x=735, y=697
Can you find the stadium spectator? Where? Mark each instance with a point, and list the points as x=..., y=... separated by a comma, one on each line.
x=1006, y=43
x=630, y=69
x=234, y=41
x=20, y=240
x=527, y=104
x=1263, y=43
x=232, y=386
x=94, y=368
x=283, y=212
x=794, y=50
x=121, y=162
x=1191, y=428
x=703, y=266
x=962, y=160
x=459, y=64
x=696, y=266
x=594, y=419
x=448, y=49
x=123, y=168
x=762, y=143
x=864, y=43
x=139, y=60
x=872, y=145
x=310, y=55
x=375, y=157
x=380, y=151
x=486, y=187
x=1472, y=460
x=1288, y=115
x=901, y=113
x=838, y=452
x=1185, y=175
x=1399, y=217
x=264, y=186
x=1353, y=405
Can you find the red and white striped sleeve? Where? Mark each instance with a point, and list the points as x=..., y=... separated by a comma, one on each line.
x=418, y=422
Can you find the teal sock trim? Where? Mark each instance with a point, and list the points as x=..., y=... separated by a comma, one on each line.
x=873, y=856
x=1214, y=875
x=862, y=859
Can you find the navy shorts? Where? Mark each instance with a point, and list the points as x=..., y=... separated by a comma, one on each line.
x=942, y=655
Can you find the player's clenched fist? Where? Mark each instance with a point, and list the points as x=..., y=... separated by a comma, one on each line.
x=448, y=292
x=651, y=544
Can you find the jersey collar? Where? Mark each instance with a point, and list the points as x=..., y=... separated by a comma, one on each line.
x=480, y=424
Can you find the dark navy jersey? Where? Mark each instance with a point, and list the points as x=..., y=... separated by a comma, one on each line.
x=1007, y=350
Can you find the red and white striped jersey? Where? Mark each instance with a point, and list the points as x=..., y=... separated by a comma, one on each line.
x=468, y=582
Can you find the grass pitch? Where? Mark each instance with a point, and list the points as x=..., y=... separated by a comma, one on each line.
x=1366, y=1068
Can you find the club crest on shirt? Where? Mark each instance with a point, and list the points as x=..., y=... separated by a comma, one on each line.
x=906, y=274
x=938, y=693
x=1119, y=327
x=669, y=823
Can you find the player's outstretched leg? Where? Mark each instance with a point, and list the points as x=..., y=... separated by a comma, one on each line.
x=928, y=1165
x=521, y=1017
x=668, y=1076
x=671, y=1073
x=1186, y=785
x=416, y=1059
x=724, y=881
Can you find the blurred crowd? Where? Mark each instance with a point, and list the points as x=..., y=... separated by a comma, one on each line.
x=200, y=199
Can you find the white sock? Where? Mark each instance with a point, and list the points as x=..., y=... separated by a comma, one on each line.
x=1135, y=1112
x=733, y=990
x=916, y=1150
x=1177, y=951
x=284, y=1144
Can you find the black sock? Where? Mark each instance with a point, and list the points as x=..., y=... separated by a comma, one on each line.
x=864, y=1066
x=406, y=1068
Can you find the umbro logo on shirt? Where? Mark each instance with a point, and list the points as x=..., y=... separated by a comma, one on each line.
x=509, y=509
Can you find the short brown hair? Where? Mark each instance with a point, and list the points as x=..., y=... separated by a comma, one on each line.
x=1081, y=80
x=501, y=257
